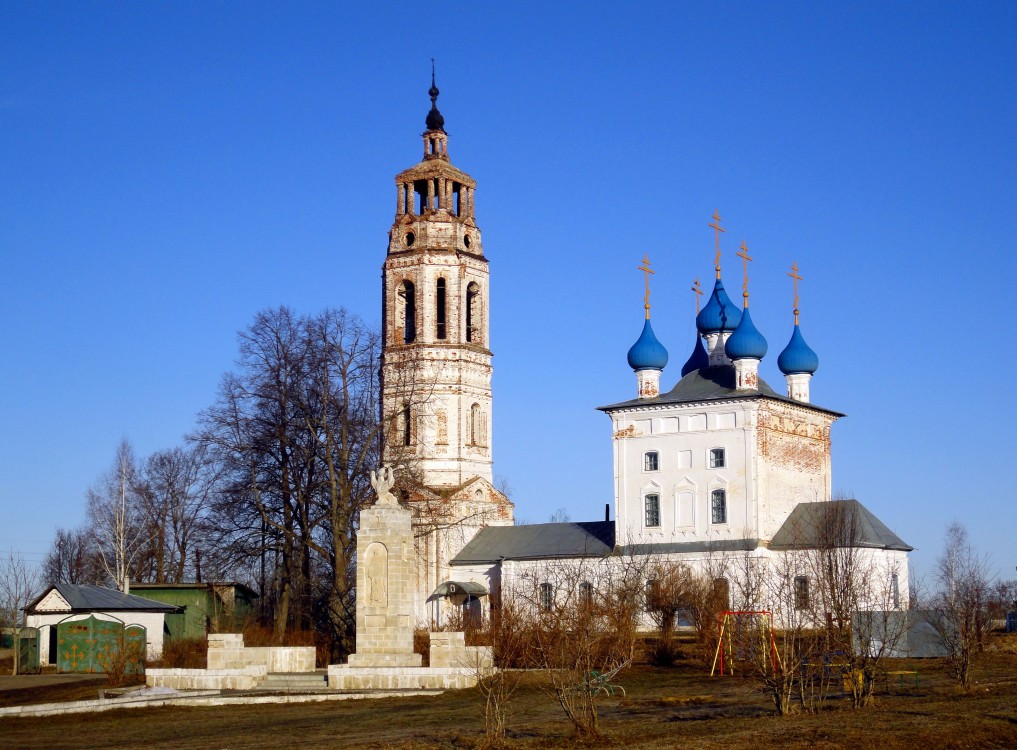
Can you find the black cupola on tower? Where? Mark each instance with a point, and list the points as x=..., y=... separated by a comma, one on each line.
x=434, y=119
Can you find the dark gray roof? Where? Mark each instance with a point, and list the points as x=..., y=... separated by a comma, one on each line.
x=719, y=545
x=539, y=541
x=85, y=597
x=710, y=384
x=836, y=523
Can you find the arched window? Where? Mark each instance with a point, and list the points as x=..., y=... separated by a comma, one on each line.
x=652, y=506
x=408, y=302
x=801, y=592
x=718, y=506
x=652, y=595
x=473, y=323
x=478, y=426
x=586, y=594
x=721, y=594
x=406, y=418
x=439, y=312
x=545, y=595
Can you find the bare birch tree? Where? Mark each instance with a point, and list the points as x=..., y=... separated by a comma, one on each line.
x=961, y=603
x=115, y=518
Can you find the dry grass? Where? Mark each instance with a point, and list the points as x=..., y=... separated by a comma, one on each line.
x=664, y=708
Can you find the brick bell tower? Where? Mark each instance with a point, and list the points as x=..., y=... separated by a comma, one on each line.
x=436, y=361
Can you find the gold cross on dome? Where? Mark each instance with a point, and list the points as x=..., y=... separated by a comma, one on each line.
x=698, y=291
x=744, y=255
x=645, y=268
x=718, y=229
x=794, y=275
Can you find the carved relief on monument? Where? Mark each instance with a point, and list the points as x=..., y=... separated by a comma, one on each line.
x=376, y=573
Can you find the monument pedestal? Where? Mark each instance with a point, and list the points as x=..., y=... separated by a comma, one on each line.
x=384, y=659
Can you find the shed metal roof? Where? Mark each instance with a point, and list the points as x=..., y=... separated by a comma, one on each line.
x=86, y=597
x=539, y=541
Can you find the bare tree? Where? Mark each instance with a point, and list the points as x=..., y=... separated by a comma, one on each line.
x=961, y=603
x=584, y=617
x=174, y=488
x=19, y=582
x=293, y=436
x=115, y=517
x=507, y=633
x=672, y=588
x=74, y=558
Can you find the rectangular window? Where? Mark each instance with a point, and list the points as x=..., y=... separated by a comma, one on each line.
x=652, y=510
x=650, y=462
x=801, y=592
x=718, y=506
x=717, y=458
x=895, y=590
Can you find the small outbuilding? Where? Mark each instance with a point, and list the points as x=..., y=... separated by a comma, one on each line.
x=203, y=607
x=78, y=625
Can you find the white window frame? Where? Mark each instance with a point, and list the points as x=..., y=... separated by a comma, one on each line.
x=713, y=506
x=646, y=509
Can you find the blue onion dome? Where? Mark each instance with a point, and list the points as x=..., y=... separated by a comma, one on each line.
x=746, y=342
x=719, y=314
x=698, y=360
x=797, y=356
x=647, y=353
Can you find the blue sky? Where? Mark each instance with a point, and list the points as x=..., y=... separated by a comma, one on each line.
x=169, y=169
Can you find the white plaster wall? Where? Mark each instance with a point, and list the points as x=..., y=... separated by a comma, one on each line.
x=693, y=431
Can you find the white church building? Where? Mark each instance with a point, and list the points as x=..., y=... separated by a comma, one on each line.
x=721, y=471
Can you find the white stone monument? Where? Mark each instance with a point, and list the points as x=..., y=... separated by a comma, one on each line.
x=384, y=659
x=385, y=568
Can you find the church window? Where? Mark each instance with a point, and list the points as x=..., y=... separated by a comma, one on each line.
x=439, y=299
x=408, y=302
x=586, y=594
x=473, y=313
x=650, y=461
x=721, y=594
x=478, y=426
x=716, y=458
x=651, y=594
x=718, y=506
x=442, y=427
x=652, y=506
x=406, y=419
x=801, y=592
x=546, y=596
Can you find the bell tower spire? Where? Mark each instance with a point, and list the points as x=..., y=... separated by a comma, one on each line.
x=436, y=359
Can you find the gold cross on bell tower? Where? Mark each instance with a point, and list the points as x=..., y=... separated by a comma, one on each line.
x=698, y=292
x=794, y=275
x=718, y=229
x=645, y=268
x=744, y=255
